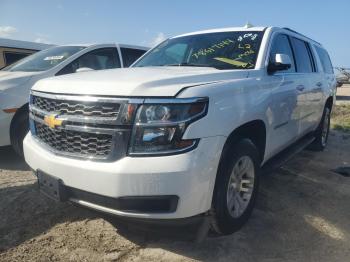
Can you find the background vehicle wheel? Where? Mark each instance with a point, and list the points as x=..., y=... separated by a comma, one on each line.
x=19, y=129
x=236, y=187
x=322, y=132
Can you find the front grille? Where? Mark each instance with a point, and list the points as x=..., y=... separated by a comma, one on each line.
x=88, y=145
x=87, y=127
x=76, y=108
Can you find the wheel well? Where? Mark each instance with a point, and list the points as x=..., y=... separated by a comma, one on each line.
x=21, y=110
x=329, y=102
x=255, y=131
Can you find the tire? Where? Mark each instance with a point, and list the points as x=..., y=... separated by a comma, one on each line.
x=19, y=129
x=322, y=131
x=228, y=216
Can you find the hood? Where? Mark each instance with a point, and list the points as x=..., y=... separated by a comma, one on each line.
x=138, y=81
x=10, y=79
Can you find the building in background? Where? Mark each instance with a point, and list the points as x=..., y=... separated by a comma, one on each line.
x=13, y=50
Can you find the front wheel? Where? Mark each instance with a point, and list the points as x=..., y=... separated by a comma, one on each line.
x=236, y=187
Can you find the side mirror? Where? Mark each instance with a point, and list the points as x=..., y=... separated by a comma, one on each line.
x=281, y=62
x=83, y=69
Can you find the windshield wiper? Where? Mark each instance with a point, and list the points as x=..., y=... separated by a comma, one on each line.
x=189, y=64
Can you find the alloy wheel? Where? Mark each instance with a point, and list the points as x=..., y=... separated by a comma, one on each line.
x=240, y=186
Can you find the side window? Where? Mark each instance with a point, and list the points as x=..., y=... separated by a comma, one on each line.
x=281, y=45
x=312, y=57
x=325, y=60
x=99, y=59
x=302, y=56
x=11, y=57
x=130, y=55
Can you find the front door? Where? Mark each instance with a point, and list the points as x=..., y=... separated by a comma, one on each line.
x=286, y=99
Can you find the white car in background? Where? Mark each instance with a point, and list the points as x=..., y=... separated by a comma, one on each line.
x=17, y=79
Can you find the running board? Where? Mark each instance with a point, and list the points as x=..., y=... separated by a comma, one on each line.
x=282, y=157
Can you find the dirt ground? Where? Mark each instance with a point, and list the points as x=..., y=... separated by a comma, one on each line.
x=302, y=214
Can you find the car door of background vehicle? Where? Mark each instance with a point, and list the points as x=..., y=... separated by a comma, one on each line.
x=98, y=59
x=285, y=98
x=309, y=92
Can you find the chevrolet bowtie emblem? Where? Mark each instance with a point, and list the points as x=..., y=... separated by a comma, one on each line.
x=52, y=121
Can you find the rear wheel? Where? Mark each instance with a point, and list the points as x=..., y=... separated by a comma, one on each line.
x=19, y=129
x=322, y=132
x=236, y=187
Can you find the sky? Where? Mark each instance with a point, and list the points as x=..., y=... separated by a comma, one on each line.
x=151, y=21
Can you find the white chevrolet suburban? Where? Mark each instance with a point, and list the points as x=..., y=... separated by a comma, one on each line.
x=17, y=79
x=184, y=132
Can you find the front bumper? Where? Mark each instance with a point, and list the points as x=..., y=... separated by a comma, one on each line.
x=189, y=176
x=5, y=123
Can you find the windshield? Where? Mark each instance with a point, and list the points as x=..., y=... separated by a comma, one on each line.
x=224, y=50
x=44, y=60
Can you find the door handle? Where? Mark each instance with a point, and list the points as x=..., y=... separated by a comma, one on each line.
x=319, y=84
x=300, y=88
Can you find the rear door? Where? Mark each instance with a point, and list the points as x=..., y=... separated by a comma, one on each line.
x=328, y=77
x=308, y=89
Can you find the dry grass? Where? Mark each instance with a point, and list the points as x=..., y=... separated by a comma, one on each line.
x=341, y=118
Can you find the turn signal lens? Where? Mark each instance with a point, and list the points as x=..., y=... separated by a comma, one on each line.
x=10, y=110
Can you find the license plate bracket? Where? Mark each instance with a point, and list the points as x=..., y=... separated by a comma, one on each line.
x=51, y=186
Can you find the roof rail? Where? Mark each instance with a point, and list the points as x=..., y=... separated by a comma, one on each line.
x=291, y=30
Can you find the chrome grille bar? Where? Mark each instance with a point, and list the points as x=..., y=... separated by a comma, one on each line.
x=85, y=98
x=76, y=119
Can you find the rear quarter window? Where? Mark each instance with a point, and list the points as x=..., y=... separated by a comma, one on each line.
x=325, y=60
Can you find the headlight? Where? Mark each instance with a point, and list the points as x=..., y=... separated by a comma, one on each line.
x=159, y=126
